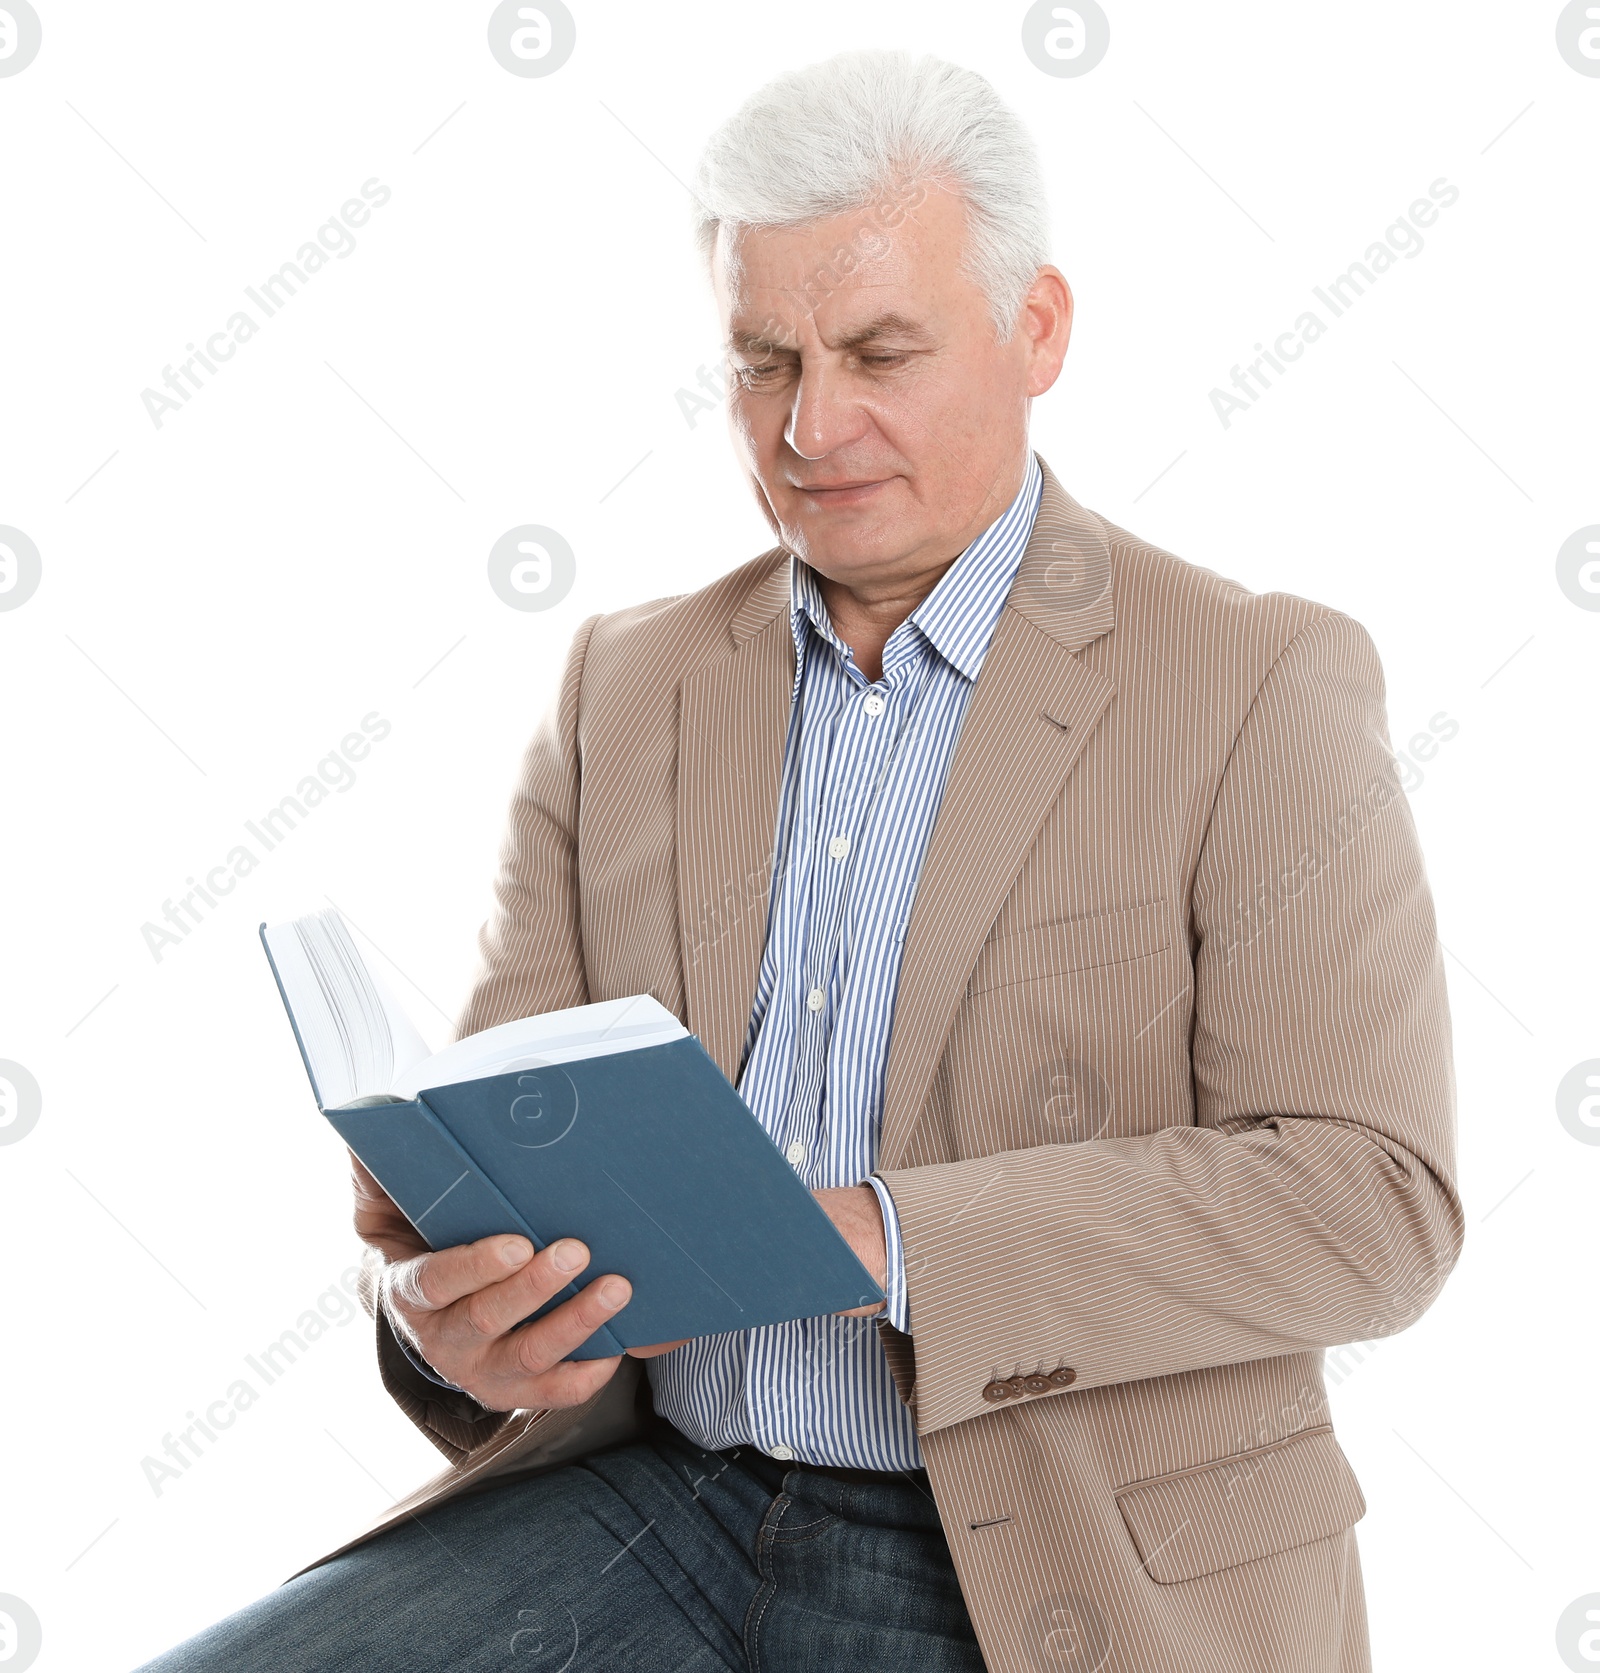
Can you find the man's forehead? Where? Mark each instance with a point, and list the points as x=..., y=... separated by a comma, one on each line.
x=836, y=277
x=818, y=279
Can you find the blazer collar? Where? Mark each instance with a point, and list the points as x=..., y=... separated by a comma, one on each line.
x=1063, y=583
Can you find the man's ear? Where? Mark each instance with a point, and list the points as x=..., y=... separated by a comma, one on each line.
x=1046, y=320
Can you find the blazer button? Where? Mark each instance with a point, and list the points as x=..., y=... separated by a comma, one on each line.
x=1062, y=1376
x=997, y=1391
x=1037, y=1384
x=1018, y=1387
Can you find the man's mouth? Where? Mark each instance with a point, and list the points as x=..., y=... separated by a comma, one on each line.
x=847, y=492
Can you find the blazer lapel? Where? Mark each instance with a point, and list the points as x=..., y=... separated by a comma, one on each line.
x=733, y=717
x=1033, y=710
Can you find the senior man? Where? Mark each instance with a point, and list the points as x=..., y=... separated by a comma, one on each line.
x=1055, y=908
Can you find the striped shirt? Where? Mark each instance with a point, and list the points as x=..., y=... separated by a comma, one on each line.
x=864, y=770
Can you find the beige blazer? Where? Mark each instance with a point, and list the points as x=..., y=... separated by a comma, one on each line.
x=1169, y=1104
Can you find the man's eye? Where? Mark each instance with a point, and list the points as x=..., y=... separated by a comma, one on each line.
x=882, y=359
x=763, y=373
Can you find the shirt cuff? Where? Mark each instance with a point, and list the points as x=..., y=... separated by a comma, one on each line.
x=419, y=1364
x=898, y=1310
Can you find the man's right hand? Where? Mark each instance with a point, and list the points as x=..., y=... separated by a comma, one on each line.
x=460, y=1308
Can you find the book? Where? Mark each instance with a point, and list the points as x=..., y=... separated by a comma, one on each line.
x=606, y=1122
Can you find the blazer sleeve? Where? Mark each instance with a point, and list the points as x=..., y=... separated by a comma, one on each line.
x=531, y=961
x=1312, y=1199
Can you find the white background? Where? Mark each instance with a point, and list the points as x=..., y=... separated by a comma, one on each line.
x=233, y=591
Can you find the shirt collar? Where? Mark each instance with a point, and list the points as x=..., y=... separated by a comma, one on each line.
x=959, y=616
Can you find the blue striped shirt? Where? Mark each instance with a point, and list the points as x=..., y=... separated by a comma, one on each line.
x=864, y=770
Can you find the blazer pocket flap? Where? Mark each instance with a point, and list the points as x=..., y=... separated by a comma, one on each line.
x=1114, y=937
x=1242, y=1508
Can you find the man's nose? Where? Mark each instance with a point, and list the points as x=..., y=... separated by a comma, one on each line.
x=824, y=416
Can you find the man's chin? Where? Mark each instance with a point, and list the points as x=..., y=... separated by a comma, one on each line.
x=842, y=540
x=847, y=556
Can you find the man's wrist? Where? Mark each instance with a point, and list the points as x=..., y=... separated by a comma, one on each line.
x=420, y=1365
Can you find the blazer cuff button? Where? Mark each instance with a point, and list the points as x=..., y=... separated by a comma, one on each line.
x=1063, y=1375
x=1037, y=1384
x=997, y=1391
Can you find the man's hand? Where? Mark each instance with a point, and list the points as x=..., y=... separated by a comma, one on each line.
x=459, y=1308
x=858, y=1219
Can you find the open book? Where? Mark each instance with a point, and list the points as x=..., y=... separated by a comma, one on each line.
x=606, y=1122
x=360, y=1046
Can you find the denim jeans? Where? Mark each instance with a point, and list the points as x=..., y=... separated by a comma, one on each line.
x=655, y=1556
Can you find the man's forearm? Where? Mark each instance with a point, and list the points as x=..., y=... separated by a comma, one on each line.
x=1132, y=1258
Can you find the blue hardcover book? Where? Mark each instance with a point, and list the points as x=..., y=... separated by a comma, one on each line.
x=606, y=1122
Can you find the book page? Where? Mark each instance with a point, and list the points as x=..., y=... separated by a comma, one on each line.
x=407, y=1045
x=315, y=1029
x=556, y=1037
x=352, y=1030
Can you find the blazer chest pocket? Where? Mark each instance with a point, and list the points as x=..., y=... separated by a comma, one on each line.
x=1242, y=1508
x=1115, y=936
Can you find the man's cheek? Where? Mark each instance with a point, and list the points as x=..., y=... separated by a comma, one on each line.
x=756, y=427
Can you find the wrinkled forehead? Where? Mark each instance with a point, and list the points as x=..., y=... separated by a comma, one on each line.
x=894, y=255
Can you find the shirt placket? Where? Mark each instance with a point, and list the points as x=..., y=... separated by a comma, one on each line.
x=840, y=777
x=861, y=737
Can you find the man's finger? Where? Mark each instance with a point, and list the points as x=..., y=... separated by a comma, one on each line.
x=568, y=1384
x=365, y=1183
x=430, y=1282
x=497, y=1307
x=538, y=1347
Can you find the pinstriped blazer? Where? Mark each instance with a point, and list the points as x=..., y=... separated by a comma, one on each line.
x=1169, y=1104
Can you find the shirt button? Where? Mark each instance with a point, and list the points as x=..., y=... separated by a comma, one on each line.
x=838, y=848
x=874, y=705
x=796, y=1154
x=781, y=1452
x=816, y=999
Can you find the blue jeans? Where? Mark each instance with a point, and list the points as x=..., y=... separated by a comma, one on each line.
x=656, y=1556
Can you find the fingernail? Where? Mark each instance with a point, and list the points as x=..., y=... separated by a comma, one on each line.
x=515, y=1251
x=614, y=1292
x=568, y=1255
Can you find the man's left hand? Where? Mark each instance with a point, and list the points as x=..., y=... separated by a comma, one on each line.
x=858, y=1219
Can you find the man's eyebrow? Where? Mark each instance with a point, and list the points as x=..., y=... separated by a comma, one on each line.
x=754, y=343
x=885, y=325
x=890, y=324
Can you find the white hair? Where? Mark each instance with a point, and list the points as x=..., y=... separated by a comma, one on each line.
x=846, y=133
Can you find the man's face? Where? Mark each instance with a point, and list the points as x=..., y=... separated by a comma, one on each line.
x=883, y=424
